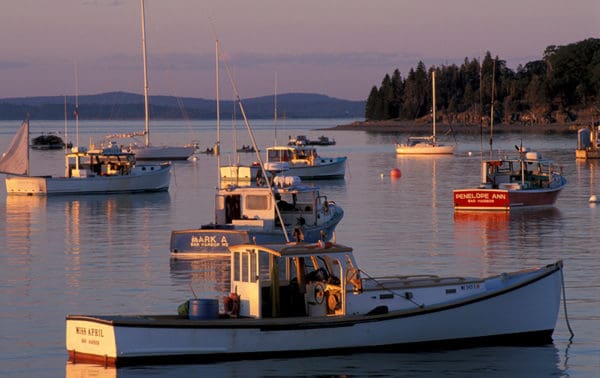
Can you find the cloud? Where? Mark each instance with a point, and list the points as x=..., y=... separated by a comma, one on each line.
x=9, y=65
x=110, y=3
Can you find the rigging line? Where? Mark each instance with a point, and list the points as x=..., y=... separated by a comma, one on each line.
x=382, y=286
x=221, y=58
x=562, y=281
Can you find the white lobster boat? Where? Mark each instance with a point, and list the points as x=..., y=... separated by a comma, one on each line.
x=298, y=299
x=304, y=162
x=248, y=214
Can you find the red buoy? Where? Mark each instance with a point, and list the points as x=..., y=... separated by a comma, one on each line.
x=395, y=173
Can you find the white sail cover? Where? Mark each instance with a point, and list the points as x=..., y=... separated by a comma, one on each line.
x=15, y=160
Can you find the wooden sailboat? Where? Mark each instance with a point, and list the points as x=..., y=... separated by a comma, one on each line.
x=426, y=145
x=148, y=151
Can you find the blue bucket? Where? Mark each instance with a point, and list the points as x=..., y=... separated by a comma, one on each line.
x=201, y=309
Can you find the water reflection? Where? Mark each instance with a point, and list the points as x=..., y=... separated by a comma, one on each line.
x=487, y=228
x=497, y=362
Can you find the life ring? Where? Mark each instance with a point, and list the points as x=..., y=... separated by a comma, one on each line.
x=232, y=305
x=319, y=293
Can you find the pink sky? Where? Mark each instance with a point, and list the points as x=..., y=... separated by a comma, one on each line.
x=340, y=48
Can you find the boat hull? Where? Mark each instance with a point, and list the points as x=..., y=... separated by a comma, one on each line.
x=424, y=149
x=523, y=311
x=163, y=153
x=144, y=179
x=502, y=199
x=322, y=169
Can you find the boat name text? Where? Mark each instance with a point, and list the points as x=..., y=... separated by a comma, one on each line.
x=97, y=332
x=208, y=241
x=478, y=196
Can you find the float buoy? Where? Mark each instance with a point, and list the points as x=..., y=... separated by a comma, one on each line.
x=395, y=173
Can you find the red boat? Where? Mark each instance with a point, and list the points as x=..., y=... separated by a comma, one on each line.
x=528, y=181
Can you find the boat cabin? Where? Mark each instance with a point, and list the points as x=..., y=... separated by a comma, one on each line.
x=254, y=206
x=109, y=161
x=294, y=279
x=529, y=172
x=300, y=154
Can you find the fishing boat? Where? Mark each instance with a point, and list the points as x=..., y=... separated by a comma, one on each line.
x=48, y=141
x=304, y=162
x=426, y=145
x=147, y=151
x=528, y=180
x=252, y=213
x=296, y=299
x=303, y=140
x=106, y=170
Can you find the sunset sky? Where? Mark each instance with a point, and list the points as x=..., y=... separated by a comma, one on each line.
x=340, y=48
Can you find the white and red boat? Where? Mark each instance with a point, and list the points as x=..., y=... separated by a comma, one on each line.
x=526, y=181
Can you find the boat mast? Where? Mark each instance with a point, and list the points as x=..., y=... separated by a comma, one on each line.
x=433, y=91
x=144, y=57
x=492, y=109
x=66, y=129
x=275, y=109
x=218, y=146
x=76, y=113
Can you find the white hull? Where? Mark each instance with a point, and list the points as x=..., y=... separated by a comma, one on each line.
x=152, y=178
x=163, y=153
x=520, y=307
x=323, y=168
x=424, y=149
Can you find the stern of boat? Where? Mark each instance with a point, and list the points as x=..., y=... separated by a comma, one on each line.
x=91, y=341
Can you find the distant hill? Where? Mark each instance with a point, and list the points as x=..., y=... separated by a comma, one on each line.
x=123, y=105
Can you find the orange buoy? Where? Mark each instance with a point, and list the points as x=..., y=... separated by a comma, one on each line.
x=395, y=173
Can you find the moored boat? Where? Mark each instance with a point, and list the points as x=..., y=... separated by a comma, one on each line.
x=304, y=162
x=301, y=140
x=296, y=299
x=526, y=181
x=106, y=170
x=247, y=213
x=425, y=145
x=48, y=141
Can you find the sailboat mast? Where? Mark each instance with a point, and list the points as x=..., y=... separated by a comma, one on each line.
x=218, y=146
x=27, y=142
x=144, y=57
x=76, y=106
x=275, y=109
x=433, y=91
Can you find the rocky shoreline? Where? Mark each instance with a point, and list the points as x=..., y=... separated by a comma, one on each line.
x=425, y=128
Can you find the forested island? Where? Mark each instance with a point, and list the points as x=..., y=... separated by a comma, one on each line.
x=561, y=89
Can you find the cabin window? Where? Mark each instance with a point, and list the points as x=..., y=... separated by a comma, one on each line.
x=255, y=202
x=253, y=267
x=245, y=267
x=236, y=266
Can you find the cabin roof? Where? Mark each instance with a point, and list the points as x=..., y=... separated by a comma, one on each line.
x=294, y=249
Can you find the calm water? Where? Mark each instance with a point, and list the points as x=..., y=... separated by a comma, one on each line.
x=109, y=254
